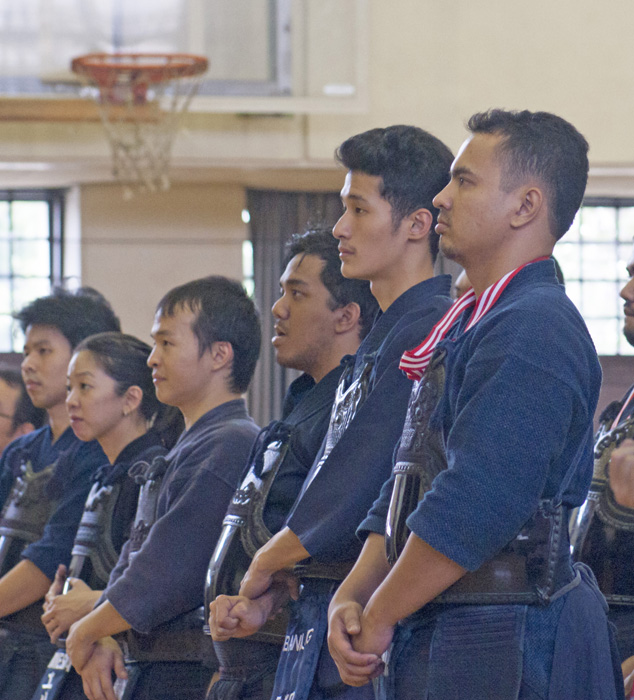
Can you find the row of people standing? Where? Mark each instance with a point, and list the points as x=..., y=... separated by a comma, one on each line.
x=465, y=585
x=474, y=517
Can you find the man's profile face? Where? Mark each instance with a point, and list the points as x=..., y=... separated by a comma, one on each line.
x=474, y=210
x=180, y=374
x=9, y=396
x=47, y=353
x=627, y=294
x=370, y=247
x=304, y=320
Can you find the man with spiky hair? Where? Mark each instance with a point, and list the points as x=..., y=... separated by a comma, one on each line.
x=467, y=549
x=320, y=317
x=206, y=344
x=385, y=236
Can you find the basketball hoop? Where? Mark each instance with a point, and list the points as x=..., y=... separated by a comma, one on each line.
x=141, y=98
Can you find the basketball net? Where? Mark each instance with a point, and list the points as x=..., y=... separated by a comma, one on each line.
x=141, y=99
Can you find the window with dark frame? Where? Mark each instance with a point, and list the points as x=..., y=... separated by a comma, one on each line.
x=593, y=256
x=31, y=253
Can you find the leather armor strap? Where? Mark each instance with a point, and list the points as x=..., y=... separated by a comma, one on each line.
x=180, y=639
x=528, y=570
x=149, y=477
x=333, y=571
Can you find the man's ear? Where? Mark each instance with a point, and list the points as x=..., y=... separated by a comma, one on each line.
x=531, y=203
x=420, y=223
x=221, y=352
x=347, y=317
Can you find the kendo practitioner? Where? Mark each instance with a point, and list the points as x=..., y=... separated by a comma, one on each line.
x=19, y=415
x=468, y=571
x=602, y=531
x=320, y=317
x=45, y=477
x=206, y=343
x=110, y=399
x=385, y=236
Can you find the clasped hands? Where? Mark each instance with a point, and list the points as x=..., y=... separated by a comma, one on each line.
x=261, y=597
x=356, y=641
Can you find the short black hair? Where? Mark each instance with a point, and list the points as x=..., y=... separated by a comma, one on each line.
x=412, y=164
x=224, y=312
x=76, y=315
x=124, y=359
x=321, y=243
x=542, y=145
x=24, y=411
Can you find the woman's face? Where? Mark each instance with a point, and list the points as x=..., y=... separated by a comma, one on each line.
x=94, y=408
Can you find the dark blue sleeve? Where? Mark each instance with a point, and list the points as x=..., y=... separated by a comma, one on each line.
x=165, y=578
x=377, y=516
x=75, y=469
x=327, y=514
x=517, y=420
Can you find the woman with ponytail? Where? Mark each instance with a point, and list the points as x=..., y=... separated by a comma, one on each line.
x=110, y=399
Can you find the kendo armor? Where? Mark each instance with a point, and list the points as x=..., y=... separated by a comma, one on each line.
x=529, y=569
x=244, y=530
x=27, y=509
x=94, y=540
x=149, y=477
x=350, y=396
x=602, y=531
x=179, y=639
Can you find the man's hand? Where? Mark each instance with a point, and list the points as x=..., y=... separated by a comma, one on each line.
x=79, y=646
x=61, y=611
x=277, y=556
x=237, y=616
x=96, y=674
x=621, y=473
x=374, y=637
x=257, y=580
x=57, y=586
x=356, y=668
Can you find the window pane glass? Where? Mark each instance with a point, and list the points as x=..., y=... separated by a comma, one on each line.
x=31, y=258
x=572, y=235
x=598, y=223
x=573, y=290
x=4, y=220
x=6, y=339
x=624, y=255
x=28, y=264
x=599, y=299
x=568, y=257
x=5, y=296
x=30, y=219
x=599, y=261
x=5, y=257
x=604, y=333
x=26, y=290
x=626, y=224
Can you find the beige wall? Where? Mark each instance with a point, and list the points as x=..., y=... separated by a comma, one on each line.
x=134, y=251
x=429, y=62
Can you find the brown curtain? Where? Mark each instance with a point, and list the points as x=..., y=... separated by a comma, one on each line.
x=274, y=217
